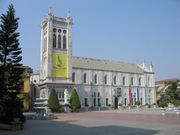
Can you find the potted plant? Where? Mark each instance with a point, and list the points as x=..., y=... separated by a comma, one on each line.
x=138, y=103
x=129, y=106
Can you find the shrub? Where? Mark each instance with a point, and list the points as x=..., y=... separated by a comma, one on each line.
x=61, y=109
x=163, y=104
x=74, y=101
x=176, y=102
x=138, y=103
x=53, y=102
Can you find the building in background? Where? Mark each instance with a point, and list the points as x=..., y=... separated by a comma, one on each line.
x=34, y=85
x=98, y=82
x=162, y=85
x=26, y=91
x=25, y=86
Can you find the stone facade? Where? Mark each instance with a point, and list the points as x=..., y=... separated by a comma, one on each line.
x=98, y=82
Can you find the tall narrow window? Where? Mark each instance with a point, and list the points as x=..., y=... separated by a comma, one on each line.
x=64, y=42
x=94, y=98
x=54, y=40
x=106, y=101
x=59, y=41
x=61, y=95
x=105, y=79
x=115, y=80
x=132, y=81
x=84, y=78
x=124, y=80
x=45, y=44
x=86, y=102
x=125, y=101
x=139, y=81
x=34, y=91
x=95, y=79
x=73, y=77
x=99, y=103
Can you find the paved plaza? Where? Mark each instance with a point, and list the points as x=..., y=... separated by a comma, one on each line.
x=112, y=122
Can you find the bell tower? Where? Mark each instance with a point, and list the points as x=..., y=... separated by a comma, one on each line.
x=56, y=49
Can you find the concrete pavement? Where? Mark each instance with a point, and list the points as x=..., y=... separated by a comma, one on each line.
x=114, y=122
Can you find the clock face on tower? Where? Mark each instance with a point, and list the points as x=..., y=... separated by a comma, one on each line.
x=59, y=65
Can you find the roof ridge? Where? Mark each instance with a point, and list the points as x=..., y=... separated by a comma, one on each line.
x=104, y=60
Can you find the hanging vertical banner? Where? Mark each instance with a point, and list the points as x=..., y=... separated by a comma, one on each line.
x=145, y=95
x=137, y=93
x=59, y=65
x=130, y=94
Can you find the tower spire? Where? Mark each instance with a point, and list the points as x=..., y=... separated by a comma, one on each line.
x=69, y=15
x=50, y=11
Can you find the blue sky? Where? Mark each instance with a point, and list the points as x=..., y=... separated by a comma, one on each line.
x=121, y=30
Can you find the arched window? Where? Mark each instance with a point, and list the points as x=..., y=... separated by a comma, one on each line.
x=139, y=81
x=64, y=31
x=132, y=81
x=105, y=79
x=73, y=77
x=114, y=79
x=124, y=80
x=59, y=41
x=95, y=79
x=54, y=40
x=59, y=30
x=84, y=78
x=64, y=42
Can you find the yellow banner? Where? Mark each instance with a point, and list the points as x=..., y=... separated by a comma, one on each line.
x=59, y=65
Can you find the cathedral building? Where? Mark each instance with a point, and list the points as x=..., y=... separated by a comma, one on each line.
x=98, y=82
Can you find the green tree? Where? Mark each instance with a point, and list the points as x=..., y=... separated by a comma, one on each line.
x=172, y=94
x=74, y=101
x=53, y=102
x=10, y=52
x=10, y=69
